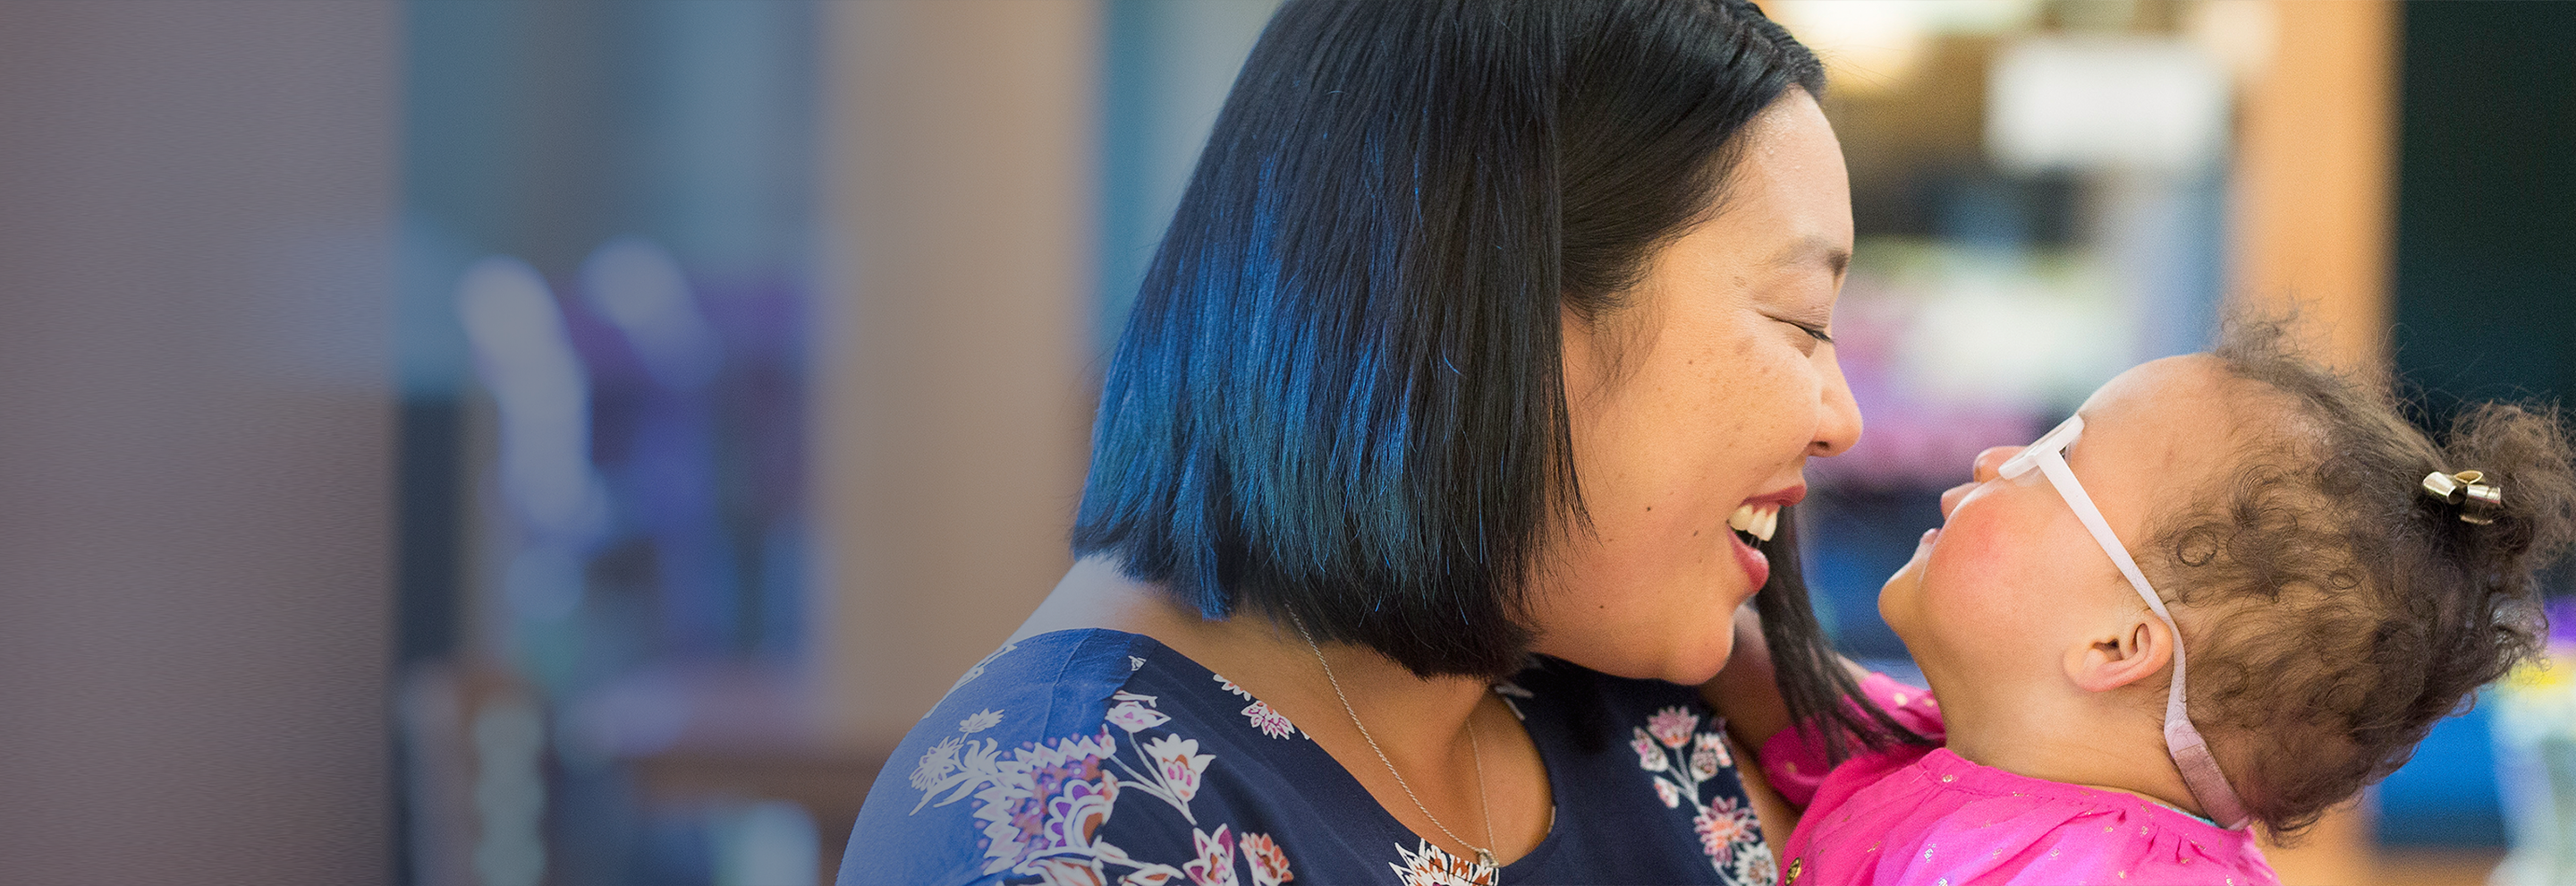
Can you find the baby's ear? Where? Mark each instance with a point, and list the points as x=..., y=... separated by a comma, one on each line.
x=2121, y=653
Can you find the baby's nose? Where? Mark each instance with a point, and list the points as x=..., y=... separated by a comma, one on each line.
x=1950, y=498
x=1989, y=464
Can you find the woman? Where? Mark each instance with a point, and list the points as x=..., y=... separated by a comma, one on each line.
x=1451, y=428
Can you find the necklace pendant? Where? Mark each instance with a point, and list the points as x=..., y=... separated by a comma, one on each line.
x=1486, y=857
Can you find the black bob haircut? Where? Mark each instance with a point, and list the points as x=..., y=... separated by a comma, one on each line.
x=1338, y=397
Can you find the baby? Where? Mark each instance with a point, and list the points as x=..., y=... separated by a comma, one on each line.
x=2235, y=588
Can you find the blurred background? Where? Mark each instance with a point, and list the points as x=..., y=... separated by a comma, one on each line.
x=475, y=442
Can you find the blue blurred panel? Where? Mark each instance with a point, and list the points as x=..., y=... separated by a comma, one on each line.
x=1166, y=66
x=1855, y=538
x=2446, y=796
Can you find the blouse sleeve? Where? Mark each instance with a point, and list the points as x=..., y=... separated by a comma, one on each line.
x=1795, y=758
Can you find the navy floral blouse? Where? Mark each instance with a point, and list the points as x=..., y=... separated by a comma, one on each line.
x=1101, y=757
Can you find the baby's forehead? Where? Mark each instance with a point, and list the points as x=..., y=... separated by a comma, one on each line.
x=2191, y=395
x=2191, y=419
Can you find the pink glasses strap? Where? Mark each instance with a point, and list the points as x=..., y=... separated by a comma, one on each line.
x=2190, y=753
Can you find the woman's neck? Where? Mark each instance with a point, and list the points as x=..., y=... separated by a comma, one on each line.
x=2082, y=739
x=1269, y=658
x=1420, y=724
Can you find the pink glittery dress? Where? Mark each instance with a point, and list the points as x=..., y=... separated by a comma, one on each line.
x=1927, y=817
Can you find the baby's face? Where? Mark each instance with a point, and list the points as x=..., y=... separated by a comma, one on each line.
x=2008, y=584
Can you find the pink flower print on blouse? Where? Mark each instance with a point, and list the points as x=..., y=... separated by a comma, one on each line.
x=1050, y=801
x=1649, y=755
x=1716, y=744
x=1722, y=827
x=1682, y=761
x=1708, y=754
x=1269, y=865
x=1433, y=866
x=1270, y=722
x=1042, y=807
x=1672, y=726
x=1180, y=764
x=1215, y=864
x=1135, y=717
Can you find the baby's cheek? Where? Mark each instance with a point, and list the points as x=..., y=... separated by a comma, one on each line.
x=1971, y=574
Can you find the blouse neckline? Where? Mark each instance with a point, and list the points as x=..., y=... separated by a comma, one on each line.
x=1344, y=783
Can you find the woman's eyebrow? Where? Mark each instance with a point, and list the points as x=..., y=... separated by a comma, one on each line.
x=1815, y=249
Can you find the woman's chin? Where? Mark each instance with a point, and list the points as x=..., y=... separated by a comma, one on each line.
x=1689, y=660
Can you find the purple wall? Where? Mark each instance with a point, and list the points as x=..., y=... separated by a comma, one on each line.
x=195, y=440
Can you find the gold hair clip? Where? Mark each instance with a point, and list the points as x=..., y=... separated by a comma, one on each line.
x=2468, y=489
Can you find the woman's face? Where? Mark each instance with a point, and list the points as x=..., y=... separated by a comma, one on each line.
x=1705, y=393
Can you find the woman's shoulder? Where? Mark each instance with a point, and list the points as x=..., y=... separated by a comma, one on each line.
x=1071, y=754
x=1941, y=816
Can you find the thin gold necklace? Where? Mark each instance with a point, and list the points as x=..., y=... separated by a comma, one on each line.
x=1484, y=856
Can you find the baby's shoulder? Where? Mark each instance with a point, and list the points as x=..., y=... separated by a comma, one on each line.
x=1942, y=818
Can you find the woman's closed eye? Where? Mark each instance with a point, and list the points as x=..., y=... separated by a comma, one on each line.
x=1815, y=332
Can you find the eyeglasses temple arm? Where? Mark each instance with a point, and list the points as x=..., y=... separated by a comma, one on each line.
x=2190, y=752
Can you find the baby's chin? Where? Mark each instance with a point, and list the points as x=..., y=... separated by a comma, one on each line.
x=1901, y=593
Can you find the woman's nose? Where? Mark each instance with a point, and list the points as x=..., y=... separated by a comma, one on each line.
x=1989, y=464
x=1837, y=414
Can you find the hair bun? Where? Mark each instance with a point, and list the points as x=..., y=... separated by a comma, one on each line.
x=2537, y=521
x=2477, y=499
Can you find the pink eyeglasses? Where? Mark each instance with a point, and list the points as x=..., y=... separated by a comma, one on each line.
x=2190, y=754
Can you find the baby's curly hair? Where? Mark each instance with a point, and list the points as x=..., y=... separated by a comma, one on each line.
x=2335, y=610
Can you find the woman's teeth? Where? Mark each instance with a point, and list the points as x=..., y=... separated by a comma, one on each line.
x=1759, y=521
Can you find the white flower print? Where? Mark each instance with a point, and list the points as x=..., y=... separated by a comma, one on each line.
x=1714, y=744
x=1215, y=864
x=1683, y=760
x=1178, y=761
x=1722, y=826
x=1703, y=764
x=1270, y=722
x=1432, y=866
x=982, y=720
x=936, y=764
x=1135, y=717
x=955, y=764
x=1269, y=864
x=1672, y=726
x=1156, y=875
x=1042, y=808
x=1047, y=800
x=1649, y=754
x=1754, y=864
